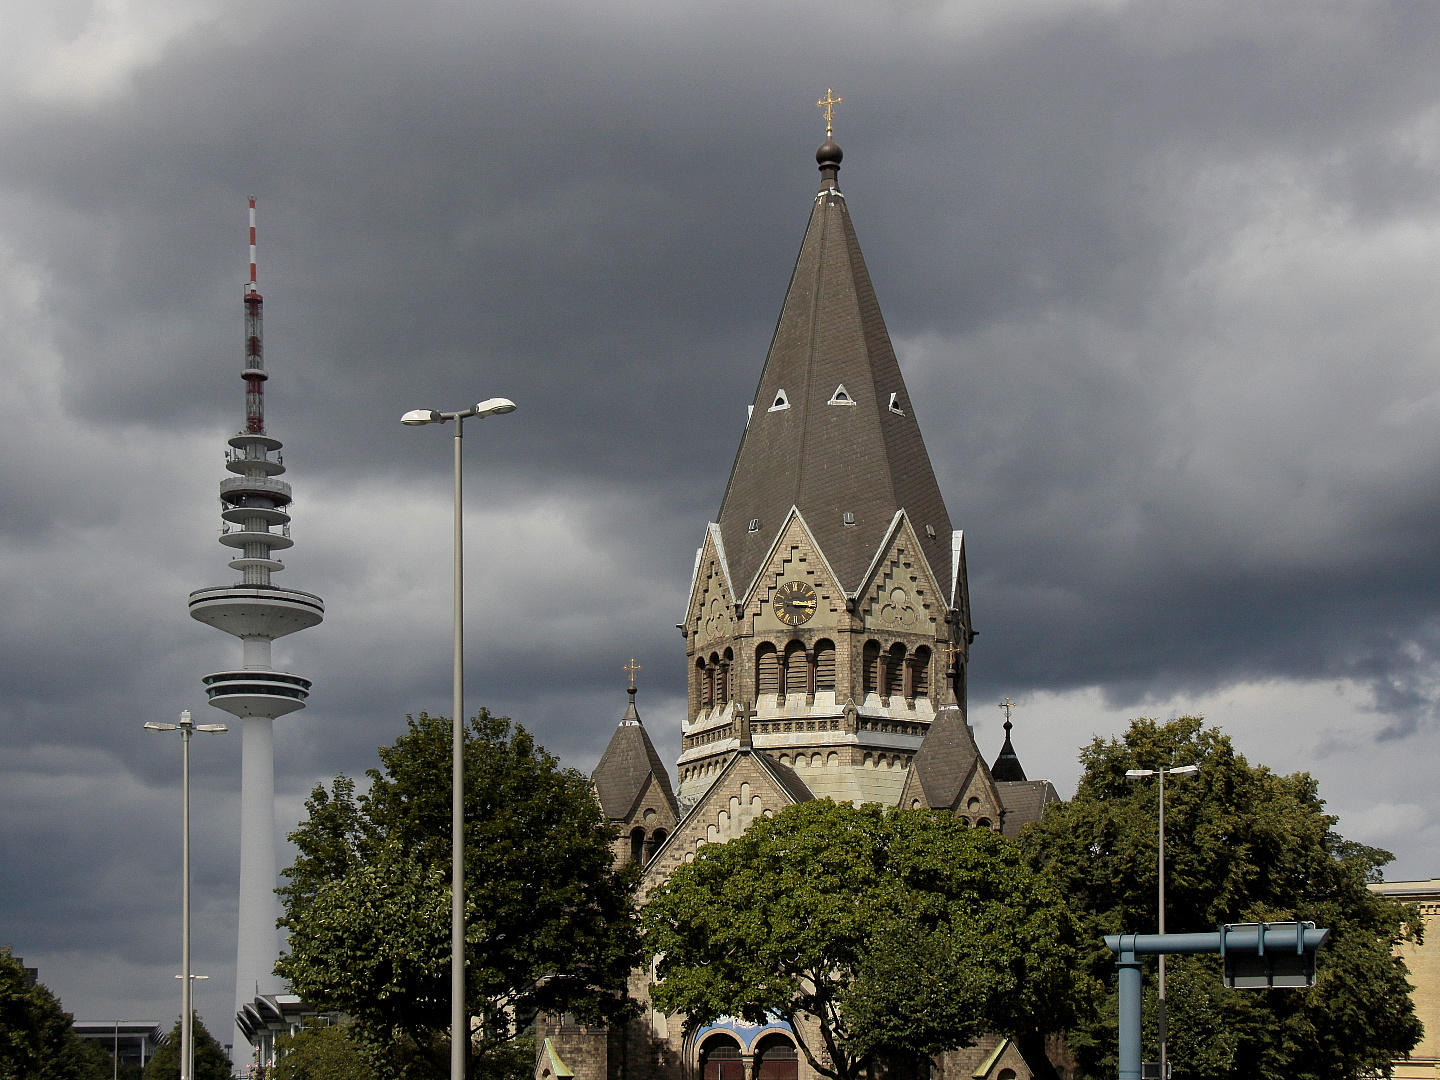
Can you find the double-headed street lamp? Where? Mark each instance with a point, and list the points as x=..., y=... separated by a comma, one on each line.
x=1140, y=774
x=459, y=1017
x=187, y=1040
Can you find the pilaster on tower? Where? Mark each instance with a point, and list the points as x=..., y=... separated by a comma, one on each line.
x=255, y=510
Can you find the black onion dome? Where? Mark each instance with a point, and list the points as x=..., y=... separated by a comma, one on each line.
x=829, y=154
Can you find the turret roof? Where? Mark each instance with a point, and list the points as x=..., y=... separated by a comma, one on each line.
x=1007, y=764
x=832, y=431
x=628, y=762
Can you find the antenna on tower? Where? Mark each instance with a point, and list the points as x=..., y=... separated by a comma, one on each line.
x=254, y=373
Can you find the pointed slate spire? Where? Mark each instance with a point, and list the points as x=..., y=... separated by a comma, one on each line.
x=627, y=766
x=1007, y=765
x=847, y=461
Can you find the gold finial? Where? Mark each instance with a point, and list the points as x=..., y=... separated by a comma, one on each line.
x=632, y=668
x=1007, y=705
x=828, y=103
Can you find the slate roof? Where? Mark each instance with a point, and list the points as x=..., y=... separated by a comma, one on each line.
x=788, y=779
x=1024, y=802
x=627, y=763
x=825, y=459
x=1007, y=765
x=946, y=759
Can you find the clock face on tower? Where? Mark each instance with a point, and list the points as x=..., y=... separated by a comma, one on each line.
x=794, y=602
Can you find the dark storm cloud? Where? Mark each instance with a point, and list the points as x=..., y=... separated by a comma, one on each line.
x=1160, y=277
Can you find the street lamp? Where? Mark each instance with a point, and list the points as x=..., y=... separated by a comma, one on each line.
x=1140, y=774
x=115, y=1072
x=187, y=1042
x=459, y=1020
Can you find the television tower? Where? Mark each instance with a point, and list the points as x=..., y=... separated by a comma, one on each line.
x=254, y=508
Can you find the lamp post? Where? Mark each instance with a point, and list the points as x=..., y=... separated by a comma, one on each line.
x=1139, y=774
x=459, y=1019
x=187, y=1042
x=115, y=1072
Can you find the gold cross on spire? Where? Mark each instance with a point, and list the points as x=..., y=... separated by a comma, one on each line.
x=632, y=668
x=828, y=103
x=1007, y=705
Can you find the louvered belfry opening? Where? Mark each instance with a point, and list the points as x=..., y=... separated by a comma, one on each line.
x=871, y=668
x=797, y=671
x=767, y=669
x=824, y=666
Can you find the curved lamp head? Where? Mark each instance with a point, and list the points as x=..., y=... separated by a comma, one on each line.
x=421, y=416
x=494, y=406
x=1184, y=770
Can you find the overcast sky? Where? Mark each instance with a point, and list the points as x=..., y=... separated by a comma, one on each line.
x=1161, y=276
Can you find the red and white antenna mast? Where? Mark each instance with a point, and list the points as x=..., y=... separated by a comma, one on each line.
x=254, y=373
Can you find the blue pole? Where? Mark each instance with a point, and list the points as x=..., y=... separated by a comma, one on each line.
x=1129, y=1016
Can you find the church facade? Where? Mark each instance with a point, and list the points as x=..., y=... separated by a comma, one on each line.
x=827, y=638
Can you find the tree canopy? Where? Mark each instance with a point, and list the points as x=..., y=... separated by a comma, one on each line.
x=37, y=1037
x=320, y=1051
x=1242, y=844
x=898, y=933
x=210, y=1060
x=550, y=923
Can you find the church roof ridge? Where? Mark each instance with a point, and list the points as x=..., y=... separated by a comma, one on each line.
x=846, y=462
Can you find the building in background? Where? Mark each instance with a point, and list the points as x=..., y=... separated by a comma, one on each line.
x=135, y=1040
x=1423, y=960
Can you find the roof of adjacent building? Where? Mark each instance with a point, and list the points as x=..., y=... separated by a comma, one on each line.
x=627, y=764
x=829, y=459
x=946, y=759
x=1024, y=802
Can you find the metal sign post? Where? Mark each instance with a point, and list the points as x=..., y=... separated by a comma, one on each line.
x=1257, y=956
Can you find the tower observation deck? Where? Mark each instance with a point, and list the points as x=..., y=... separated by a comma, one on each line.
x=255, y=509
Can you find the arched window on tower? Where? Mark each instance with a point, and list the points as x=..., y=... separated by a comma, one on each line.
x=797, y=675
x=653, y=844
x=824, y=666
x=870, y=668
x=767, y=669
x=723, y=684
x=637, y=844
x=702, y=696
x=921, y=675
x=895, y=671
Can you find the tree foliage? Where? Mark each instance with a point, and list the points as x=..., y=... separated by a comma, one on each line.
x=37, y=1037
x=210, y=1060
x=550, y=923
x=1242, y=844
x=898, y=932
x=320, y=1051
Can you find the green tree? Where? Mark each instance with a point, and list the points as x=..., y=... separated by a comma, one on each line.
x=1241, y=844
x=550, y=923
x=37, y=1037
x=210, y=1060
x=320, y=1051
x=897, y=933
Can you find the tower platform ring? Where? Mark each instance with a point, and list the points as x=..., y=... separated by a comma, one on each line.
x=256, y=610
x=240, y=538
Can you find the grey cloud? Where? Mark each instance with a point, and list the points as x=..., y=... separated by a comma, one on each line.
x=1159, y=277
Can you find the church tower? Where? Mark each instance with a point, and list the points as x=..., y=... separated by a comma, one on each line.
x=829, y=616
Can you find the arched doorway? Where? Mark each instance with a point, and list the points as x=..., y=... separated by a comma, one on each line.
x=776, y=1059
x=720, y=1059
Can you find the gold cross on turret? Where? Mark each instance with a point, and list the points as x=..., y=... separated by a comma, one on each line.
x=952, y=653
x=1007, y=705
x=828, y=103
x=632, y=668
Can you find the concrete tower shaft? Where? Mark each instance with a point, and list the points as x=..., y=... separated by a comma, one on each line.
x=254, y=507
